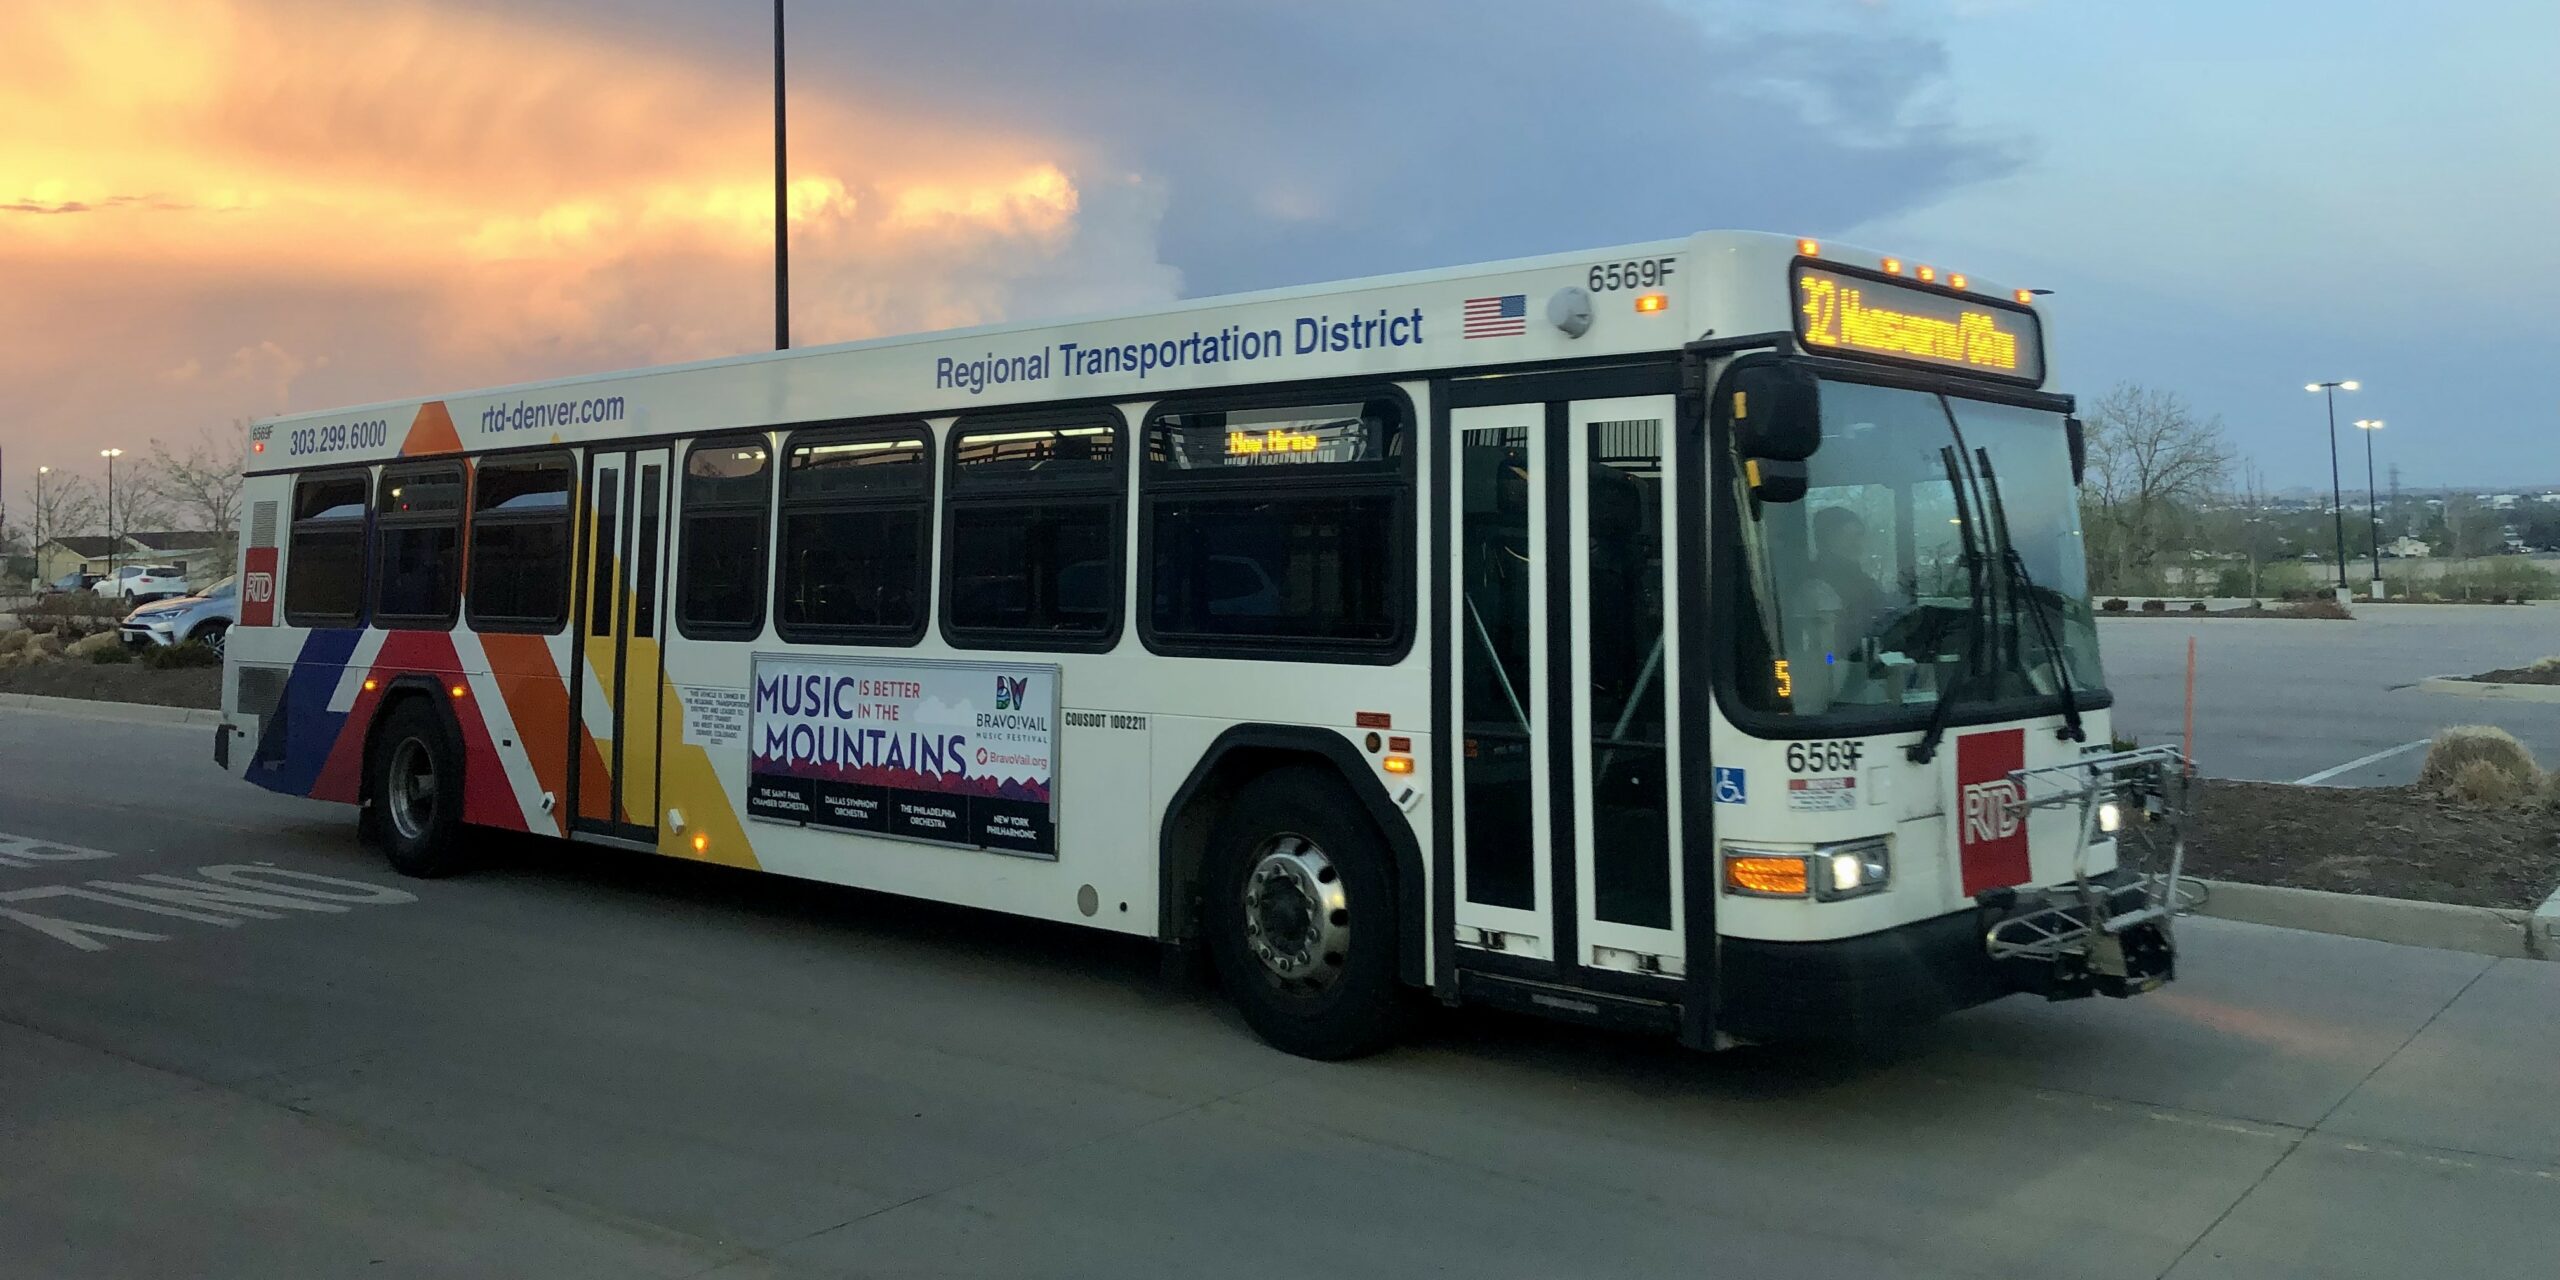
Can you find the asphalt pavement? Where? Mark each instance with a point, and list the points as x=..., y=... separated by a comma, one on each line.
x=2280, y=700
x=289, y=1062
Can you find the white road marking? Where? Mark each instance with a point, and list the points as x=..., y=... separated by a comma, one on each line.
x=2358, y=763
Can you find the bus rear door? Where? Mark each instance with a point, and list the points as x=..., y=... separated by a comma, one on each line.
x=621, y=616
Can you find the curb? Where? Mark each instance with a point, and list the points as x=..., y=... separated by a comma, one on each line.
x=124, y=712
x=2489, y=931
x=2490, y=689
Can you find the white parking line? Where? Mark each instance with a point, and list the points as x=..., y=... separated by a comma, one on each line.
x=2358, y=763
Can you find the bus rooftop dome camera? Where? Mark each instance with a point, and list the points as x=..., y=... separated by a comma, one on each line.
x=1570, y=310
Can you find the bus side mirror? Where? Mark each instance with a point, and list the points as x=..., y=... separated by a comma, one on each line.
x=2078, y=436
x=1774, y=412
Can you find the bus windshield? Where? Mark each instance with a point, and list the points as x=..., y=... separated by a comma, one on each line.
x=1936, y=556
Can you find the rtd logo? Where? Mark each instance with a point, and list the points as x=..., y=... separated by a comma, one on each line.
x=259, y=587
x=1989, y=811
x=1991, y=845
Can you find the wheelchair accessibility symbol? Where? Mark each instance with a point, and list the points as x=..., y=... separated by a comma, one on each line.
x=1729, y=784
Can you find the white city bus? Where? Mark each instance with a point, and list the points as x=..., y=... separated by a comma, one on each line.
x=1690, y=636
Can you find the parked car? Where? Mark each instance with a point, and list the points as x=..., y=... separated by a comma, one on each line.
x=206, y=617
x=136, y=583
x=76, y=580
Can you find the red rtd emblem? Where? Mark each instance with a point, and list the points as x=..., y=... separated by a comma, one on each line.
x=1991, y=840
x=258, y=588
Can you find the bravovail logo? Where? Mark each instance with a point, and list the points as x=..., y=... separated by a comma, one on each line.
x=1992, y=842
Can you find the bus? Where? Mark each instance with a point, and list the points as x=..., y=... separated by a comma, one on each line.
x=1691, y=637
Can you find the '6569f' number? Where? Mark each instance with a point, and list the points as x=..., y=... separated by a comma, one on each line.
x=1642, y=273
x=1823, y=757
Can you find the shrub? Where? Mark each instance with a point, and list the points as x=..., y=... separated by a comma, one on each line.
x=2483, y=785
x=2195, y=606
x=2479, y=764
x=180, y=656
x=2551, y=663
x=2498, y=580
x=2323, y=608
x=2155, y=606
x=2232, y=582
x=2286, y=580
x=2114, y=606
x=110, y=655
x=71, y=614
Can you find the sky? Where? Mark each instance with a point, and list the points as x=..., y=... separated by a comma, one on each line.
x=216, y=209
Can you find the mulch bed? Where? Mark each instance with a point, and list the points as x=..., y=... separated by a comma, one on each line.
x=2393, y=842
x=117, y=682
x=2519, y=675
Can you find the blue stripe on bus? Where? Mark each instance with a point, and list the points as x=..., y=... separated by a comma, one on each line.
x=291, y=761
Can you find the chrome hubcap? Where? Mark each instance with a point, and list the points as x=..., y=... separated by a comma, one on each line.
x=1297, y=918
x=409, y=792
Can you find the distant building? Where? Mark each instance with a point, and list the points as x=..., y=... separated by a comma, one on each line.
x=198, y=554
x=2405, y=547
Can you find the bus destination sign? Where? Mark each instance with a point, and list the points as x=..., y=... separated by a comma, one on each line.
x=1842, y=314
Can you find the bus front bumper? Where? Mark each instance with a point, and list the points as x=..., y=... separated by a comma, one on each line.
x=1878, y=986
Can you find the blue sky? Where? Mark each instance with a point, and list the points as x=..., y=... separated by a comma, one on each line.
x=226, y=208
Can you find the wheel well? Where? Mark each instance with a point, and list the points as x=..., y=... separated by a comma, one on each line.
x=403, y=691
x=1243, y=754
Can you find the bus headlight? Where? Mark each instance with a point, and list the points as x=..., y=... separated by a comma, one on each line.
x=1828, y=873
x=2110, y=816
x=1855, y=869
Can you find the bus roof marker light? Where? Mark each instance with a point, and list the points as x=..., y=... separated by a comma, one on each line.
x=1893, y=266
x=1809, y=248
x=1955, y=280
x=1928, y=274
x=2026, y=297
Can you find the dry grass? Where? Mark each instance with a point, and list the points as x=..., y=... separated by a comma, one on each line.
x=2551, y=663
x=2481, y=765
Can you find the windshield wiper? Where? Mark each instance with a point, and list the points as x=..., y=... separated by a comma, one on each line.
x=2021, y=584
x=1926, y=749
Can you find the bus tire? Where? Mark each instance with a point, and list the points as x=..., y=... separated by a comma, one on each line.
x=1301, y=917
x=414, y=776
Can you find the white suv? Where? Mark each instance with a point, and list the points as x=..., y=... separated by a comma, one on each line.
x=136, y=583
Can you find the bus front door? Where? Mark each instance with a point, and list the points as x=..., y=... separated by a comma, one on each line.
x=620, y=617
x=1565, y=676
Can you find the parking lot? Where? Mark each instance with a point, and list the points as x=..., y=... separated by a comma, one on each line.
x=585, y=1064
x=2281, y=701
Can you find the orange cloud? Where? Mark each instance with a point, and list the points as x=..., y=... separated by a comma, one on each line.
x=212, y=207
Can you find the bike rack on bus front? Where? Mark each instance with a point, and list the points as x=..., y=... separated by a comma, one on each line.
x=2083, y=928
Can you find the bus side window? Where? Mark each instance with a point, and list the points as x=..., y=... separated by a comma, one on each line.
x=854, y=542
x=519, y=562
x=724, y=526
x=417, y=573
x=1279, y=531
x=1032, y=546
x=324, y=567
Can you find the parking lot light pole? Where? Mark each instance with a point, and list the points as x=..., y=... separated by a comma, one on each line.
x=111, y=455
x=2372, y=511
x=2337, y=496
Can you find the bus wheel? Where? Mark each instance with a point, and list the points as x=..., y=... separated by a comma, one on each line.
x=416, y=813
x=1301, y=918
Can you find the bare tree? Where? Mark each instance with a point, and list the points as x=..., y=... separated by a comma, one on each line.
x=199, y=483
x=60, y=506
x=2151, y=461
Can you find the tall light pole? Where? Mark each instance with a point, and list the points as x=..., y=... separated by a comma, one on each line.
x=44, y=530
x=2372, y=511
x=111, y=455
x=2337, y=498
x=781, y=203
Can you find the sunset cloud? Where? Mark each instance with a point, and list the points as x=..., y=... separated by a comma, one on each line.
x=238, y=207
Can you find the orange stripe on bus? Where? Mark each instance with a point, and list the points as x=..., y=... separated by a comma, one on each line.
x=537, y=701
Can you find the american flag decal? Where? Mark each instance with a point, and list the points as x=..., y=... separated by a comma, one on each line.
x=1503, y=316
